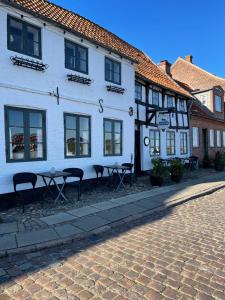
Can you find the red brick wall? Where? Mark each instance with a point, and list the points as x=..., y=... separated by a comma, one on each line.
x=206, y=123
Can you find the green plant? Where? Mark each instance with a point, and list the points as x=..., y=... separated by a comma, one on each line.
x=176, y=169
x=219, y=161
x=159, y=169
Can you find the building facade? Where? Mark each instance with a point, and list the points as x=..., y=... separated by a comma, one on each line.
x=207, y=110
x=64, y=100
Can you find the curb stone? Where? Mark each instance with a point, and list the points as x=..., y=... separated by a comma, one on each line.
x=108, y=227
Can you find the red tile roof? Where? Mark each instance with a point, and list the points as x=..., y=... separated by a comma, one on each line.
x=91, y=31
x=194, y=76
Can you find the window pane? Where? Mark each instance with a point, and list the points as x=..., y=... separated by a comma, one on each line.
x=117, y=137
x=82, y=59
x=36, y=151
x=84, y=137
x=117, y=149
x=35, y=119
x=169, y=101
x=71, y=148
x=16, y=135
x=16, y=118
x=35, y=135
x=108, y=143
x=70, y=122
x=15, y=35
x=70, y=135
x=117, y=127
x=70, y=55
x=16, y=151
x=108, y=70
x=84, y=149
x=32, y=41
x=116, y=78
x=84, y=123
x=108, y=126
x=155, y=98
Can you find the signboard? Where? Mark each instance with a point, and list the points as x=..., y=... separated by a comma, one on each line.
x=163, y=120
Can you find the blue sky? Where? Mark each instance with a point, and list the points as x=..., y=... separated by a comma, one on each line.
x=165, y=29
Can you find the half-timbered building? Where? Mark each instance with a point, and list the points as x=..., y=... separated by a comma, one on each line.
x=160, y=99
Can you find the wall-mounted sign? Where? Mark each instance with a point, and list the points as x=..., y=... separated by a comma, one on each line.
x=163, y=121
x=146, y=141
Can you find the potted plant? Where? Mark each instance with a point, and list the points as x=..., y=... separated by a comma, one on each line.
x=176, y=170
x=158, y=172
x=219, y=161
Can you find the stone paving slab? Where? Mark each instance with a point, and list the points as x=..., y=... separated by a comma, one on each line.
x=67, y=230
x=58, y=218
x=36, y=237
x=83, y=211
x=90, y=222
x=114, y=214
x=106, y=205
x=8, y=227
x=7, y=241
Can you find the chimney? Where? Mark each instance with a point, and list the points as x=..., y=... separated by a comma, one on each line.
x=165, y=66
x=189, y=58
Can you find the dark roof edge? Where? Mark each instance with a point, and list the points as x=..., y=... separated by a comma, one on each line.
x=46, y=19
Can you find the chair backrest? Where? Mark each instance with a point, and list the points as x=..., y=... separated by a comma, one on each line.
x=75, y=172
x=98, y=169
x=25, y=177
x=128, y=165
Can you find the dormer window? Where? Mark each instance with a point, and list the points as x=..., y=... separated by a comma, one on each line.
x=24, y=38
x=76, y=57
x=112, y=71
x=217, y=103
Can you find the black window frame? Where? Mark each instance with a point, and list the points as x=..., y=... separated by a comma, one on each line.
x=113, y=137
x=24, y=30
x=138, y=93
x=76, y=46
x=170, y=144
x=77, y=118
x=155, y=92
x=26, y=112
x=158, y=132
x=113, y=61
x=183, y=143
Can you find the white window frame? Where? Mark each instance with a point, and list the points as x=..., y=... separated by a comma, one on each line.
x=195, y=137
x=212, y=138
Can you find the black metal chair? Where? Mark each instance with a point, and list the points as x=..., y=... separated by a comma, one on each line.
x=99, y=170
x=75, y=173
x=130, y=168
x=22, y=178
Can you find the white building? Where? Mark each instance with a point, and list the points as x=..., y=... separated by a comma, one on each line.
x=52, y=82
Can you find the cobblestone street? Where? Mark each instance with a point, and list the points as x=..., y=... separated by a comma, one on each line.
x=175, y=254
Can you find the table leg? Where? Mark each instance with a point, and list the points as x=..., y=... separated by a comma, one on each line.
x=121, y=177
x=60, y=190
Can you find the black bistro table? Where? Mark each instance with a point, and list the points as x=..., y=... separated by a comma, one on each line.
x=52, y=179
x=120, y=171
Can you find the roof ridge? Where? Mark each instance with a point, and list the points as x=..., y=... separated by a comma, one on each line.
x=201, y=69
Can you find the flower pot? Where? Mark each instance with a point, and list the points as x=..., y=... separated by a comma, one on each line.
x=156, y=180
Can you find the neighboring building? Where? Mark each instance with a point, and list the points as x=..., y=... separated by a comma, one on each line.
x=207, y=111
x=156, y=91
x=67, y=90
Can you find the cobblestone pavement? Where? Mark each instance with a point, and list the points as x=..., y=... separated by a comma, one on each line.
x=176, y=254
